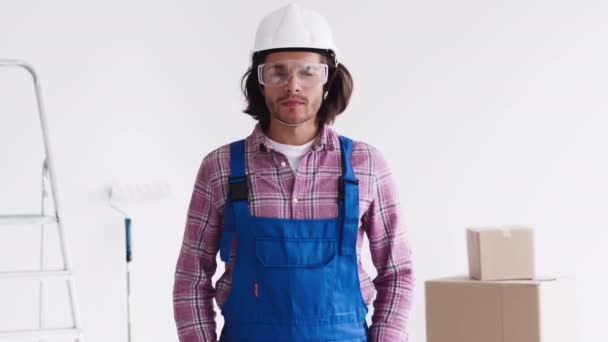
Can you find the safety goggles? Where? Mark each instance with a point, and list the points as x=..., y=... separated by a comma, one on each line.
x=308, y=74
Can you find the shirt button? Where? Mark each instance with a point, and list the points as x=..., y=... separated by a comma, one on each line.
x=295, y=200
x=283, y=164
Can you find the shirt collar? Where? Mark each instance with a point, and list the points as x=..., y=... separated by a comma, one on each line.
x=327, y=139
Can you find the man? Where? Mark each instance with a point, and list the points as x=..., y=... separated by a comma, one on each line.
x=298, y=198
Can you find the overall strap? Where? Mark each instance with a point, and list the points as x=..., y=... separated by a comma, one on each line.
x=236, y=201
x=349, y=201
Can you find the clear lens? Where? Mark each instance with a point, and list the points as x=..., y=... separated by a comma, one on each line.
x=308, y=74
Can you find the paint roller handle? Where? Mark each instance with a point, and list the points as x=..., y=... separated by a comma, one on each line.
x=128, y=238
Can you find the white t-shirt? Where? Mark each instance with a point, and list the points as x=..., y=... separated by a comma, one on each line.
x=294, y=153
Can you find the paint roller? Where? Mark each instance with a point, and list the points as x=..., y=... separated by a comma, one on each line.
x=133, y=193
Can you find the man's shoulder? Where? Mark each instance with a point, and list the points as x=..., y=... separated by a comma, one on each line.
x=218, y=153
x=367, y=156
x=215, y=164
x=363, y=147
x=218, y=159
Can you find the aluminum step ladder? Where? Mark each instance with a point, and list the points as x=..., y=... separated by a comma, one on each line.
x=44, y=218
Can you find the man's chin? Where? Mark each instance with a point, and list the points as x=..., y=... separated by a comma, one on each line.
x=290, y=120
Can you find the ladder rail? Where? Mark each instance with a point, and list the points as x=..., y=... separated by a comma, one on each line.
x=47, y=274
x=47, y=148
x=56, y=332
x=26, y=219
x=43, y=197
x=49, y=163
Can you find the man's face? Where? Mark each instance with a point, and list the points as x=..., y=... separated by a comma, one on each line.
x=296, y=101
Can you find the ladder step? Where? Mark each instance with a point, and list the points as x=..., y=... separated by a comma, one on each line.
x=62, y=332
x=26, y=219
x=36, y=274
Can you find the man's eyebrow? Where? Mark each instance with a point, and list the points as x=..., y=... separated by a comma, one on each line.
x=278, y=65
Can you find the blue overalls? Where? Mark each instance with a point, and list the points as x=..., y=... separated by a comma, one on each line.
x=293, y=279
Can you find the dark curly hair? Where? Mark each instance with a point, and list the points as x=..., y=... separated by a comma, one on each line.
x=339, y=84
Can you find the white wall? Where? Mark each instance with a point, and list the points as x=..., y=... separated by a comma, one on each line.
x=489, y=112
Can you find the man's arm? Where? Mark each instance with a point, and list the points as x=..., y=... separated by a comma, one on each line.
x=193, y=291
x=391, y=255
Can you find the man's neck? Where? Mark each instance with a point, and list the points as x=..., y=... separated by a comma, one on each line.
x=299, y=135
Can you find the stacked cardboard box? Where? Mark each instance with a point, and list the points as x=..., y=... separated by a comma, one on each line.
x=501, y=300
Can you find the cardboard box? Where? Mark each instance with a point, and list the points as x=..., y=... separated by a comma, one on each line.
x=501, y=253
x=465, y=310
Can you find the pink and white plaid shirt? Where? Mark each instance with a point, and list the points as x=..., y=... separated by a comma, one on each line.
x=312, y=193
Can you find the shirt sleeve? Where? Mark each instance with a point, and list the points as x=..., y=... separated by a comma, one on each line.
x=391, y=256
x=193, y=290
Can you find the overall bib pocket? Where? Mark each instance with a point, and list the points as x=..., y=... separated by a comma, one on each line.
x=299, y=273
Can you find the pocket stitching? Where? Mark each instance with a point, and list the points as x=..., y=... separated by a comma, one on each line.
x=330, y=255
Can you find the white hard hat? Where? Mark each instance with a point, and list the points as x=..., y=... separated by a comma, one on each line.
x=293, y=27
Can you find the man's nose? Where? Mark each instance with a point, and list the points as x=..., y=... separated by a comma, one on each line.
x=293, y=85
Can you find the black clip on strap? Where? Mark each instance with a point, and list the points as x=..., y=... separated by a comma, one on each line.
x=341, y=186
x=238, y=189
